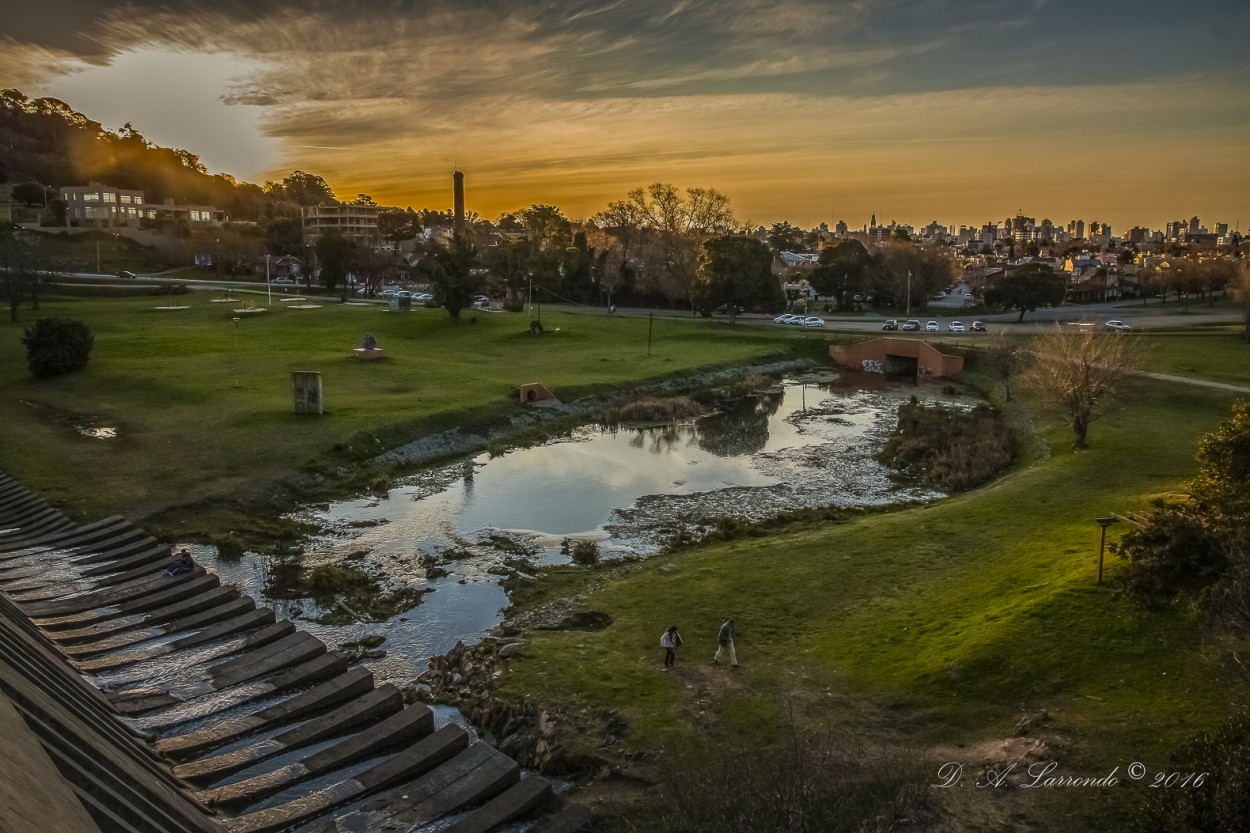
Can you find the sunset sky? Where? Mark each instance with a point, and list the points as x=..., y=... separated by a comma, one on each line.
x=963, y=111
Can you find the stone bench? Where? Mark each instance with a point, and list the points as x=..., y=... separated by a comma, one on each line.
x=367, y=353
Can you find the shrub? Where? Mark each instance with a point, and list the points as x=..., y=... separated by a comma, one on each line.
x=1221, y=801
x=586, y=553
x=57, y=345
x=950, y=448
x=229, y=547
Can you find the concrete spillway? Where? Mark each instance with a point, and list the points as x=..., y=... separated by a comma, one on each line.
x=136, y=700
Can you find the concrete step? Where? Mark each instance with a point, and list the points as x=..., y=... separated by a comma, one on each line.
x=110, y=596
x=245, y=621
x=371, y=706
x=354, y=683
x=215, y=701
x=417, y=759
x=171, y=593
x=400, y=727
x=214, y=598
x=513, y=803
x=468, y=779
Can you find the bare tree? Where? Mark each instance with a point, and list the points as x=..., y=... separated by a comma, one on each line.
x=677, y=226
x=1078, y=370
x=24, y=267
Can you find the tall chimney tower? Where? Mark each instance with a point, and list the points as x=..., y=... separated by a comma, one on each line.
x=457, y=197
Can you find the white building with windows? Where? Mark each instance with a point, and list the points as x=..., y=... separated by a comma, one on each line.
x=104, y=206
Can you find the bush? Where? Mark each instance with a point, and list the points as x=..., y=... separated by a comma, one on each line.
x=949, y=448
x=586, y=553
x=1221, y=801
x=57, y=345
x=229, y=547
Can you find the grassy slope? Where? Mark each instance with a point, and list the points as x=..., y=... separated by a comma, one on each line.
x=944, y=624
x=198, y=417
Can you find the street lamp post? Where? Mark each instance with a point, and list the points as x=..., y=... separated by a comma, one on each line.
x=217, y=257
x=909, y=294
x=268, y=286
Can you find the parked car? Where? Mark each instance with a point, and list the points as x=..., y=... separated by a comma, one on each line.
x=890, y=324
x=481, y=303
x=813, y=321
x=125, y=273
x=956, y=327
x=978, y=327
x=422, y=297
x=911, y=324
x=283, y=281
x=931, y=327
x=786, y=318
x=1118, y=326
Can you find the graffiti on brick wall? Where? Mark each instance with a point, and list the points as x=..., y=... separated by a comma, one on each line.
x=872, y=366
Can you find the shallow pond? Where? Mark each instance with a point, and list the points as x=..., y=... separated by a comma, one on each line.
x=630, y=490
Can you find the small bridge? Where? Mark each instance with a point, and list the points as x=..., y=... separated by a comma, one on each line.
x=898, y=357
x=134, y=701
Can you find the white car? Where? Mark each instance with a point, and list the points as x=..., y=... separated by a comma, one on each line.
x=1118, y=326
x=423, y=297
x=786, y=318
x=931, y=327
x=956, y=327
x=813, y=321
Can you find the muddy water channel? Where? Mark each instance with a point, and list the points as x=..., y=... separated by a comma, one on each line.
x=455, y=530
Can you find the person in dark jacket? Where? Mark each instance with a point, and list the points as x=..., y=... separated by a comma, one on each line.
x=725, y=643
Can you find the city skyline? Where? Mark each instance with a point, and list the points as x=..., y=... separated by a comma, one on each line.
x=956, y=111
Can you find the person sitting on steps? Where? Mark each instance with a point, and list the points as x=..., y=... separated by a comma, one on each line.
x=184, y=563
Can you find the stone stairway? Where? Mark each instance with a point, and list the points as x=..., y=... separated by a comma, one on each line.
x=172, y=703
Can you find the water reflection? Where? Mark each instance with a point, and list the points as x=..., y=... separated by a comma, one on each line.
x=803, y=445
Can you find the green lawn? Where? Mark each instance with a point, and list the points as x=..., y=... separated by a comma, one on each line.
x=202, y=404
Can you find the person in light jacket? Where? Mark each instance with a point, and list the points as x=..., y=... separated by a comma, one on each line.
x=670, y=641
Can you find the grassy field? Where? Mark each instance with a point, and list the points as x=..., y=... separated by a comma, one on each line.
x=930, y=629
x=202, y=406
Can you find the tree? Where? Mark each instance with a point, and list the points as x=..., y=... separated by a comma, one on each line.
x=302, y=188
x=1198, y=541
x=336, y=256
x=450, y=272
x=735, y=271
x=29, y=193
x=1006, y=355
x=57, y=345
x=1079, y=370
x=1243, y=296
x=906, y=274
x=677, y=225
x=24, y=266
x=842, y=271
x=1027, y=288
x=784, y=237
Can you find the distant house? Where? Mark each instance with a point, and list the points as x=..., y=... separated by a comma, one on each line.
x=286, y=266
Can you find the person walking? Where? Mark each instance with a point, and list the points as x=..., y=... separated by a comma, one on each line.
x=670, y=641
x=725, y=643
